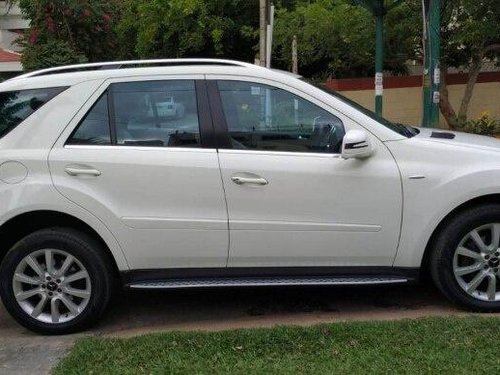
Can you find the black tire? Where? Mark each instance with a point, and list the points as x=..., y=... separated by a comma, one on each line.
x=87, y=251
x=443, y=250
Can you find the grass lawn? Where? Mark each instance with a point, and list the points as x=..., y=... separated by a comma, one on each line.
x=435, y=345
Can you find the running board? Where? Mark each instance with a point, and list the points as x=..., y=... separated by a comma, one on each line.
x=266, y=281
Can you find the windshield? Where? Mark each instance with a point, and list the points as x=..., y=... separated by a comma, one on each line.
x=401, y=129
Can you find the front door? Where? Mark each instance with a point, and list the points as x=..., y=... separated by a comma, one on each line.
x=137, y=158
x=292, y=200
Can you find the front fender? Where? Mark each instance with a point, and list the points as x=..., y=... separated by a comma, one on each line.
x=436, y=180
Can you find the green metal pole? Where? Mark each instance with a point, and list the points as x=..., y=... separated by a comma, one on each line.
x=426, y=85
x=379, y=58
x=435, y=41
x=432, y=75
x=379, y=10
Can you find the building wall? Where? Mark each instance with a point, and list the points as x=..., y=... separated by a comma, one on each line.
x=7, y=39
x=10, y=19
x=404, y=104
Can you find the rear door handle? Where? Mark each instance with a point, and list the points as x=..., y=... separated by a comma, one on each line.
x=82, y=171
x=240, y=180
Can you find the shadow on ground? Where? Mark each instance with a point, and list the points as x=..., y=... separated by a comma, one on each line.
x=214, y=309
x=139, y=312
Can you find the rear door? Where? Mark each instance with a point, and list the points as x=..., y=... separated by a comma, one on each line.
x=140, y=157
x=292, y=200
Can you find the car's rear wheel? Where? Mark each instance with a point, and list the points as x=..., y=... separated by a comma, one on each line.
x=465, y=262
x=56, y=281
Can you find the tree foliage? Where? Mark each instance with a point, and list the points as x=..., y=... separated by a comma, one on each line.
x=189, y=28
x=324, y=32
x=68, y=31
x=470, y=32
x=337, y=38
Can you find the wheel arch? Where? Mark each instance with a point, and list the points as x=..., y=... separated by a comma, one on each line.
x=25, y=223
x=489, y=198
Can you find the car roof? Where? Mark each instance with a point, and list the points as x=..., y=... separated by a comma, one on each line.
x=74, y=74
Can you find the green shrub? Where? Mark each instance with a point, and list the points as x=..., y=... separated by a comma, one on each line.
x=485, y=125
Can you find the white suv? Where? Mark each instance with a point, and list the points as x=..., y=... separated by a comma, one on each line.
x=264, y=180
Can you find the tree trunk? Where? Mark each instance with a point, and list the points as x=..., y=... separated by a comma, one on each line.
x=474, y=70
x=454, y=121
x=444, y=101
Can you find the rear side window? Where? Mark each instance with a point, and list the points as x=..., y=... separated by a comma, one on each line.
x=17, y=106
x=149, y=113
x=94, y=128
x=156, y=113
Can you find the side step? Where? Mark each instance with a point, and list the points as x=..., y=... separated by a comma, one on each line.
x=267, y=281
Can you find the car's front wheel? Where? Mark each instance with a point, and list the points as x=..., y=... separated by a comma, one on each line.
x=56, y=281
x=465, y=259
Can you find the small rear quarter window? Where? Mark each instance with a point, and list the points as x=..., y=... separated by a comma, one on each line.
x=17, y=106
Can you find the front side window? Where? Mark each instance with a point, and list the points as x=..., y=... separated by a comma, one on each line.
x=262, y=117
x=404, y=130
x=17, y=106
x=149, y=113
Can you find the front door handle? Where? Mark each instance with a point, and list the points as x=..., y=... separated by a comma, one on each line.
x=257, y=180
x=82, y=171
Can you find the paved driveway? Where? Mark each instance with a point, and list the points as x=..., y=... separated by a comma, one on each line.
x=134, y=313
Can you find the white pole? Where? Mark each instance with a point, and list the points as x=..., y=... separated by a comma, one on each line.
x=295, y=62
x=263, y=34
x=269, y=48
x=269, y=41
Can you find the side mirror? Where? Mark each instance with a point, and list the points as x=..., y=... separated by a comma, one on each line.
x=356, y=145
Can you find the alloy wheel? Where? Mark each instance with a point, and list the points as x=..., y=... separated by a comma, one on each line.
x=476, y=263
x=51, y=286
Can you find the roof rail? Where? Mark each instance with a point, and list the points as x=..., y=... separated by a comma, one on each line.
x=134, y=64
